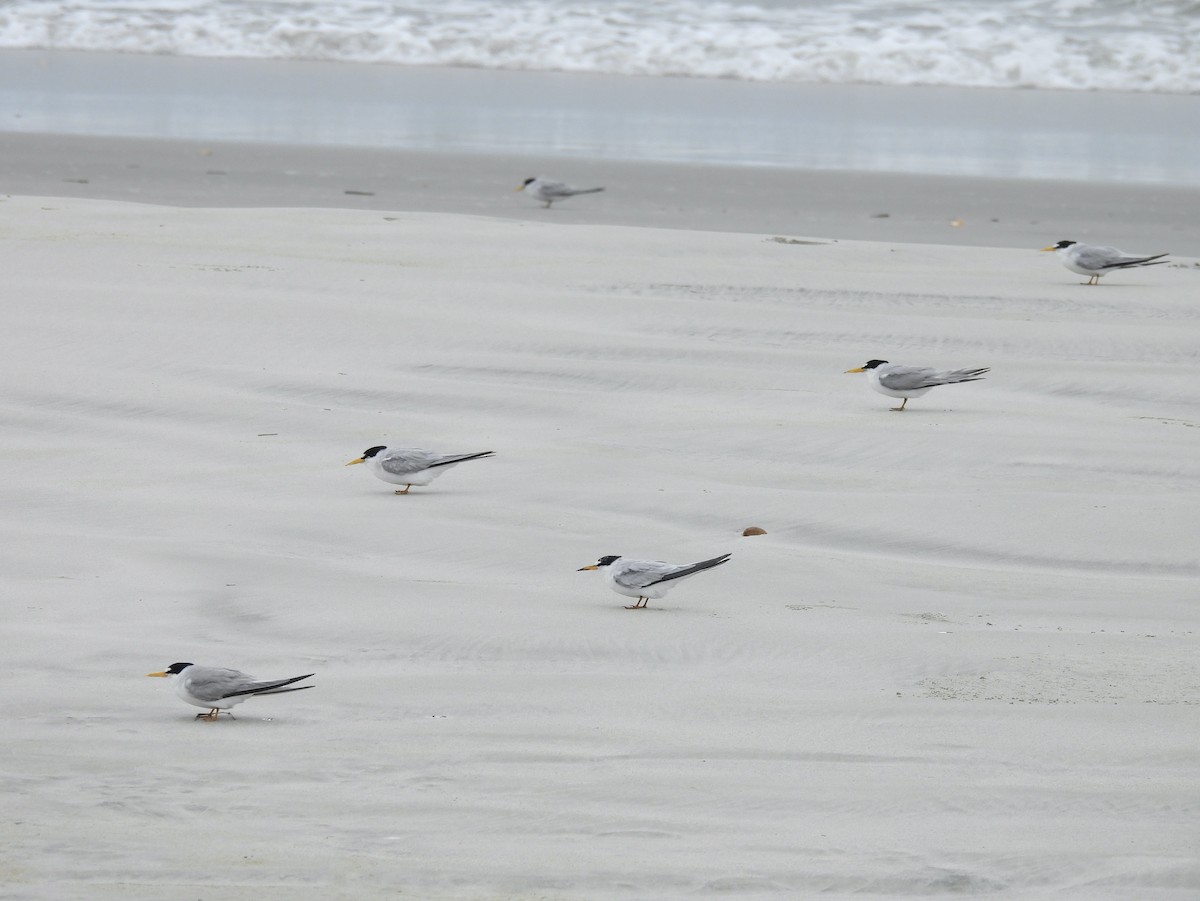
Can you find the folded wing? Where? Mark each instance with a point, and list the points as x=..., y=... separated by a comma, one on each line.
x=678, y=572
x=272, y=687
x=216, y=684
x=408, y=460
x=640, y=573
x=908, y=378
x=1099, y=257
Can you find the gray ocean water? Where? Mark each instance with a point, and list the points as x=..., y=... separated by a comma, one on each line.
x=1100, y=136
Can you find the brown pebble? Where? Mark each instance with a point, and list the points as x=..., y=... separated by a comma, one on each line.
x=754, y=530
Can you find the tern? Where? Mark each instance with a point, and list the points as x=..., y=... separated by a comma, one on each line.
x=410, y=466
x=1095, y=260
x=895, y=380
x=550, y=191
x=215, y=688
x=645, y=579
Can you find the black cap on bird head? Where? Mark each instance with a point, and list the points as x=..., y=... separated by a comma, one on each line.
x=372, y=451
x=528, y=181
x=600, y=563
x=874, y=364
x=603, y=561
x=1063, y=245
x=173, y=670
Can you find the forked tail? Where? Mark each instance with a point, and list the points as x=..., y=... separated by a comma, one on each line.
x=966, y=375
x=449, y=460
x=273, y=688
x=1156, y=260
x=692, y=570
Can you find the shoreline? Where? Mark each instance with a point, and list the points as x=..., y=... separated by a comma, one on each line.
x=865, y=206
x=1103, y=137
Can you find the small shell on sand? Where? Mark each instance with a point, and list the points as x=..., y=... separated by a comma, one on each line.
x=754, y=530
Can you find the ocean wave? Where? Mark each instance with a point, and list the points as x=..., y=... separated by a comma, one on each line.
x=1129, y=45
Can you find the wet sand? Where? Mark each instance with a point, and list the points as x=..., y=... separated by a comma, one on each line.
x=868, y=206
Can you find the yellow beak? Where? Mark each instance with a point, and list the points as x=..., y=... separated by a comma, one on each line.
x=518, y=188
x=359, y=460
x=1051, y=247
x=585, y=568
x=858, y=369
x=160, y=675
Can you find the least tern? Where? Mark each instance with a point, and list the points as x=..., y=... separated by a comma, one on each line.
x=550, y=191
x=645, y=579
x=1094, y=260
x=215, y=688
x=895, y=380
x=410, y=466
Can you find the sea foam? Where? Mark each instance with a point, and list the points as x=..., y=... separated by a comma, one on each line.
x=1068, y=44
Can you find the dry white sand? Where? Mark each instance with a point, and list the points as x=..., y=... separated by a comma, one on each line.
x=962, y=660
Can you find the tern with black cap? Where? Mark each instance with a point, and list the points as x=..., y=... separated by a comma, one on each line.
x=895, y=380
x=549, y=191
x=645, y=579
x=217, y=689
x=1096, y=260
x=410, y=466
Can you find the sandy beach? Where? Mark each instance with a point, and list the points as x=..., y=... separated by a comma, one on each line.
x=962, y=660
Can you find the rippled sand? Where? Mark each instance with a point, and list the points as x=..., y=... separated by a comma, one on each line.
x=961, y=660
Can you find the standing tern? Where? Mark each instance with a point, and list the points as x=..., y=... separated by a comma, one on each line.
x=550, y=191
x=410, y=466
x=895, y=380
x=215, y=688
x=1095, y=260
x=645, y=579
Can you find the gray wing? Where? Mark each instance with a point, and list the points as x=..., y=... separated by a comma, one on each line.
x=691, y=568
x=210, y=683
x=1101, y=257
x=556, y=189
x=640, y=573
x=1096, y=256
x=273, y=686
x=405, y=461
x=907, y=378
